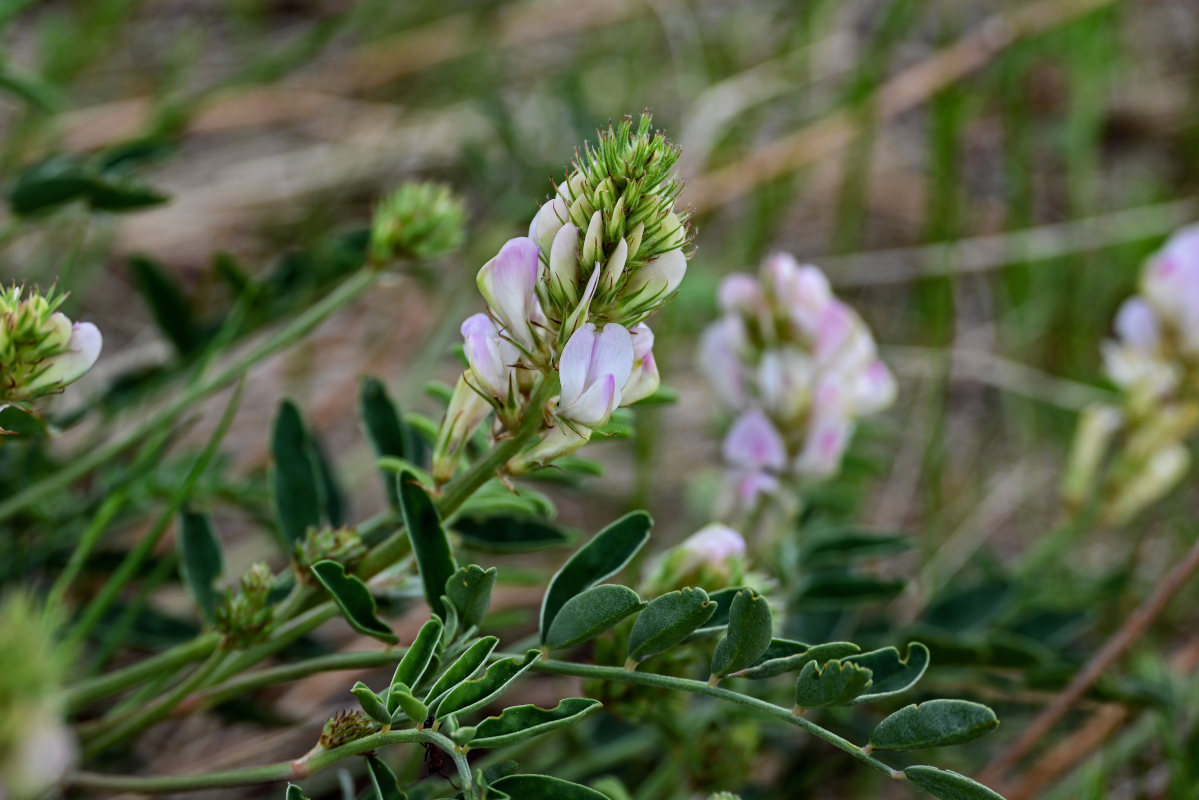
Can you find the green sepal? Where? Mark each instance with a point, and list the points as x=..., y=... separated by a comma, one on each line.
x=948, y=785
x=776, y=661
x=374, y=705
x=298, y=486
x=383, y=779
x=589, y=614
x=934, y=723
x=748, y=634
x=200, y=560
x=400, y=699
x=519, y=723
x=540, y=787
x=434, y=558
x=606, y=554
x=469, y=591
x=416, y=661
x=465, y=667
x=668, y=620
x=472, y=695
x=836, y=684
x=354, y=600
x=891, y=674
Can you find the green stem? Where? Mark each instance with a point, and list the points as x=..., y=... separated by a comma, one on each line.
x=85, y=692
x=299, y=327
x=249, y=682
x=270, y=773
x=619, y=675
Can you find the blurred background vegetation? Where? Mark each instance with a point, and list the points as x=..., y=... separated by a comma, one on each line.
x=982, y=178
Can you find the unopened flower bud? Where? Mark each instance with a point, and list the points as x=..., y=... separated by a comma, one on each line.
x=41, y=351
x=465, y=414
x=712, y=558
x=418, y=220
x=342, y=545
x=1096, y=427
x=345, y=727
x=243, y=617
x=509, y=284
x=490, y=355
x=558, y=441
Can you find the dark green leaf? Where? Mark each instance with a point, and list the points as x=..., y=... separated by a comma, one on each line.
x=168, y=304
x=385, y=428
x=30, y=88
x=948, y=785
x=404, y=701
x=434, y=558
x=497, y=771
x=891, y=674
x=294, y=793
x=133, y=151
x=519, y=723
x=834, y=590
x=18, y=421
x=668, y=620
x=473, y=694
x=200, y=559
x=354, y=600
x=771, y=665
x=48, y=184
x=840, y=546
x=117, y=194
x=413, y=665
x=933, y=723
x=465, y=667
x=834, y=685
x=606, y=554
x=374, y=705
x=719, y=621
x=748, y=634
x=383, y=779
x=333, y=505
x=543, y=787
x=587, y=615
x=297, y=485
x=469, y=590
x=509, y=534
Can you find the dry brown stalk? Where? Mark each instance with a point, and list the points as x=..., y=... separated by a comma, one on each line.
x=905, y=91
x=1132, y=630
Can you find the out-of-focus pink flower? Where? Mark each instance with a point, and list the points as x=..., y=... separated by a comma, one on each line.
x=740, y=293
x=720, y=359
x=594, y=369
x=827, y=439
x=874, y=389
x=509, y=284
x=754, y=444
x=713, y=545
x=1137, y=324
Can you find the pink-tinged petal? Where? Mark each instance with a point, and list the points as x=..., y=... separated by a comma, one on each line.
x=478, y=325
x=595, y=405
x=785, y=379
x=612, y=354
x=833, y=330
x=643, y=340
x=509, y=284
x=83, y=350
x=740, y=293
x=1137, y=324
x=564, y=260
x=548, y=222
x=753, y=485
x=644, y=381
x=825, y=445
x=714, y=544
x=753, y=443
x=875, y=389
x=574, y=363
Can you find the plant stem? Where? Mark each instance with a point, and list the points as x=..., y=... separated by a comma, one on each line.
x=619, y=675
x=285, y=770
x=299, y=327
x=79, y=695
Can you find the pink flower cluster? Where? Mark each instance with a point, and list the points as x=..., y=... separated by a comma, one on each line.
x=798, y=367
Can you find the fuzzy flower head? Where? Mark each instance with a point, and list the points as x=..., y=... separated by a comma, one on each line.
x=610, y=239
x=418, y=220
x=41, y=351
x=798, y=366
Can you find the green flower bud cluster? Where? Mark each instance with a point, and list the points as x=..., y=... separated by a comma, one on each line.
x=419, y=221
x=345, y=727
x=610, y=238
x=342, y=545
x=41, y=350
x=242, y=617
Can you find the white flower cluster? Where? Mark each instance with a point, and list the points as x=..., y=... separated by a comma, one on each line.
x=798, y=367
x=41, y=350
x=1154, y=361
x=568, y=305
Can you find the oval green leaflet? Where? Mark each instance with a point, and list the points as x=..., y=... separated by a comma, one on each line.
x=835, y=685
x=354, y=600
x=473, y=694
x=748, y=634
x=891, y=674
x=933, y=723
x=540, y=787
x=519, y=723
x=787, y=656
x=430, y=545
x=469, y=590
x=416, y=661
x=589, y=614
x=948, y=785
x=668, y=620
x=465, y=667
x=606, y=554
